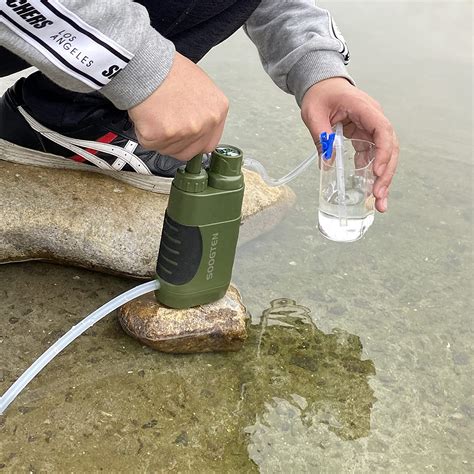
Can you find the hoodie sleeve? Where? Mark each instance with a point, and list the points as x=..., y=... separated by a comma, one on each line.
x=108, y=46
x=299, y=44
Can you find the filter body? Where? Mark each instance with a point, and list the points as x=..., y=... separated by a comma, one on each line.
x=200, y=231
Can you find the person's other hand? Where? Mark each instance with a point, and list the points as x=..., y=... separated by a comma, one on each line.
x=336, y=100
x=185, y=116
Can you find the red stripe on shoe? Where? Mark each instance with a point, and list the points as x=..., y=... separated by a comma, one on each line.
x=107, y=138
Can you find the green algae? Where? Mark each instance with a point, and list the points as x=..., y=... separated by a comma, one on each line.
x=127, y=408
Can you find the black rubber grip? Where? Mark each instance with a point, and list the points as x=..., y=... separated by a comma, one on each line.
x=180, y=252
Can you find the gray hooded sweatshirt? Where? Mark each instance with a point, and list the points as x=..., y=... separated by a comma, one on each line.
x=110, y=46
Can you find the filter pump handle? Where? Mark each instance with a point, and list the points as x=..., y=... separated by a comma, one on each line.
x=194, y=165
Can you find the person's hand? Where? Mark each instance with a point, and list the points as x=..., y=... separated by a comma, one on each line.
x=184, y=116
x=336, y=100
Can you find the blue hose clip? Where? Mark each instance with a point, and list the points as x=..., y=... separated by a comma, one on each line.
x=327, y=144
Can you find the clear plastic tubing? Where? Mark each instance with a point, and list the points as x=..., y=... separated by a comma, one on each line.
x=256, y=166
x=340, y=180
x=70, y=336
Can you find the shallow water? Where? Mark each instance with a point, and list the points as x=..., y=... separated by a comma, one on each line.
x=373, y=372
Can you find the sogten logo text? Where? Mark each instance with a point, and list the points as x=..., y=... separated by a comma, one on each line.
x=212, y=256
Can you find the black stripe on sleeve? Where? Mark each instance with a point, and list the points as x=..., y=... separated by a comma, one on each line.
x=82, y=30
x=338, y=39
x=54, y=53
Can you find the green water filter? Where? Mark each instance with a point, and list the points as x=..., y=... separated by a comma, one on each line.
x=200, y=230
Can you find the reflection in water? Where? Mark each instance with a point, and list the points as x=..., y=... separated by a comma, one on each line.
x=306, y=385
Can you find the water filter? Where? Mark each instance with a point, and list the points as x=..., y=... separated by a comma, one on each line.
x=200, y=230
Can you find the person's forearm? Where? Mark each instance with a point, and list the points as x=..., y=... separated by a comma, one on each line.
x=116, y=34
x=298, y=43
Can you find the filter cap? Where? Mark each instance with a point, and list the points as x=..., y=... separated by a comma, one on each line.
x=225, y=171
x=192, y=178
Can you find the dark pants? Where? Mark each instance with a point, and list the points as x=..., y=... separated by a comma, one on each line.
x=9, y=63
x=194, y=26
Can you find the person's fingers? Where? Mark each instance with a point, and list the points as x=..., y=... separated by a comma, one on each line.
x=363, y=156
x=191, y=150
x=332, y=101
x=317, y=121
x=358, y=134
x=383, y=182
x=350, y=129
x=363, y=121
x=183, y=146
x=375, y=123
x=184, y=116
x=371, y=124
x=215, y=139
x=382, y=204
x=373, y=102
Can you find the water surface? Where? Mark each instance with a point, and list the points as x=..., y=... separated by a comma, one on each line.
x=370, y=370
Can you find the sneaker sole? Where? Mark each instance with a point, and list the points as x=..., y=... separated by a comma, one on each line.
x=24, y=156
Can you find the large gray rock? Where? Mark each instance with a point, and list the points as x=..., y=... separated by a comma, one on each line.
x=218, y=326
x=96, y=222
